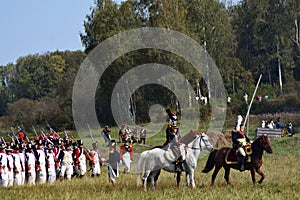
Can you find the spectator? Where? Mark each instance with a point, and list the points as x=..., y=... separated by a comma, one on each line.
x=278, y=125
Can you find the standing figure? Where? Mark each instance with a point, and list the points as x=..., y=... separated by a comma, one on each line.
x=18, y=167
x=126, y=155
x=3, y=166
x=143, y=135
x=30, y=162
x=22, y=159
x=94, y=158
x=50, y=158
x=41, y=173
x=122, y=134
x=113, y=164
x=80, y=157
x=106, y=135
x=10, y=166
x=66, y=162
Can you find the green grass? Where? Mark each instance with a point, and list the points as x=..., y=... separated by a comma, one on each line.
x=281, y=169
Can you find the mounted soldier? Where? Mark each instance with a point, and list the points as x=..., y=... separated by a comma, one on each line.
x=239, y=140
x=173, y=136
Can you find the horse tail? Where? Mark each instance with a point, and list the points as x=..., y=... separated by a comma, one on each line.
x=210, y=162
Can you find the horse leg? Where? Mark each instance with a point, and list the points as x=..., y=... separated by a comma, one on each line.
x=178, y=178
x=187, y=176
x=146, y=174
x=214, y=175
x=192, y=178
x=253, y=176
x=261, y=174
x=226, y=175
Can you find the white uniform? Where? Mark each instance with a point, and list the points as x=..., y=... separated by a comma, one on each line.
x=51, y=167
x=18, y=168
x=42, y=173
x=95, y=163
x=10, y=165
x=82, y=161
x=22, y=159
x=30, y=161
x=3, y=170
x=66, y=163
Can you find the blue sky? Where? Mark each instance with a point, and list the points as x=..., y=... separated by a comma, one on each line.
x=39, y=26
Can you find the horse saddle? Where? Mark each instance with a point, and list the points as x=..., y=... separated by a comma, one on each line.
x=232, y=157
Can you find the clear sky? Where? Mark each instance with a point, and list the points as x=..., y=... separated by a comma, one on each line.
x=39, y=26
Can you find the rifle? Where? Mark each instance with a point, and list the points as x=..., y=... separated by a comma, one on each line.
x=45, y=136
x=14, y=135
x=3, y=141
x=34, y=131
x=12, y=139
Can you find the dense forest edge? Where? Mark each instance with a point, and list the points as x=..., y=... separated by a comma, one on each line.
x=244, y=40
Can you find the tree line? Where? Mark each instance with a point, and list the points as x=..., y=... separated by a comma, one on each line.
x=245, y=40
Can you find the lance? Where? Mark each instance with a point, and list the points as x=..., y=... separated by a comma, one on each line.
x=91, y=133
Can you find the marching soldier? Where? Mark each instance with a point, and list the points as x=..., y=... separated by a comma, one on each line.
x=94, y=158
x=80, y=158
x=22, y=159
x=18, y=168
x=66, y=160
x=50, y=160
x=3, y=166
x=10, y=166
x=30, y=161
x=41, y=163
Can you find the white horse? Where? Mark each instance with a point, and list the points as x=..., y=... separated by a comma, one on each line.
x=156, y=159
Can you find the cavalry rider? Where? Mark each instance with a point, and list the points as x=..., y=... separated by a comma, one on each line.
x=239, y=140
x=173, y=136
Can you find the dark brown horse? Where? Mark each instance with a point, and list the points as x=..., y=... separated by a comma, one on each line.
x=217, y=159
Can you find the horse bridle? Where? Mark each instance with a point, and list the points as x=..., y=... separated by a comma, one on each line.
x=195, y=148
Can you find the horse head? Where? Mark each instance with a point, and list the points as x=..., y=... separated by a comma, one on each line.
x=266, y=143
x=204, y=138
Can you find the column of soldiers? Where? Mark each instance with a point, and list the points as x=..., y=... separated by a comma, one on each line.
x=45, y=159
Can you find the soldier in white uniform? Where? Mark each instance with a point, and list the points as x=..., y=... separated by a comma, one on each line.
x=18, y=168
x=3, y=166
x=10, y=166
x=22, y=158
x=41, y=163
x=30, y=161
x=50, y=157
x=80, y=158
x=95, y=160
x=65, y=157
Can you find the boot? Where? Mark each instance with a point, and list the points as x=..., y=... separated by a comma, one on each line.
x=241, y=163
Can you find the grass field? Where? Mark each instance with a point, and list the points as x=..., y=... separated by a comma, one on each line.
x=281, y=182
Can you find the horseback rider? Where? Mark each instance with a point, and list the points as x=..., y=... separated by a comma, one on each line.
x=239, y=140
x=173, y=136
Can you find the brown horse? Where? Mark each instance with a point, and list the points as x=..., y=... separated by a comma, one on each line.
x=217, y=159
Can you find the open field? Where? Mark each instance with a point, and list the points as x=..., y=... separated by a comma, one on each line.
x=281, y=182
